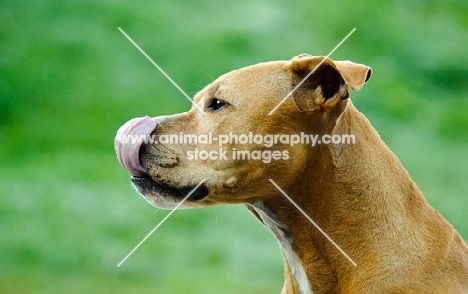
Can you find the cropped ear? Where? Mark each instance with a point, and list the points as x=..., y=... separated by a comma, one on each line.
x=329, y=82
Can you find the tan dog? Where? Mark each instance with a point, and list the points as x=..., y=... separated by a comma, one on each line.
x=357, y=192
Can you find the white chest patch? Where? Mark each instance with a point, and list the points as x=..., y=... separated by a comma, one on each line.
x=278, y=229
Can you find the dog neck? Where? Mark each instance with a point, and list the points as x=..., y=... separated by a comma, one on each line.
x=346, y=195
x=296, y=275
x=308, y=268
x=305, y=269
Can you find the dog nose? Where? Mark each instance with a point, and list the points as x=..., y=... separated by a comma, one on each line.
x=128, y=141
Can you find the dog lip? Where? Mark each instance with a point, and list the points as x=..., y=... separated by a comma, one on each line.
x=147, y=186
x=128, y=141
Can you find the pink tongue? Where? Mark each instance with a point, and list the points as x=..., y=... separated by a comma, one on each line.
x=128, y=141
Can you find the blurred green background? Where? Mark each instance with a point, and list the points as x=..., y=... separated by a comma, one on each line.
x=69, y=79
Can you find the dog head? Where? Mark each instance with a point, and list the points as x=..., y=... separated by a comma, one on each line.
x=226, y=145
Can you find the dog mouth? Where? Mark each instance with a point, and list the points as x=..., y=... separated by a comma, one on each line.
x=149, y=188
x=128, y=141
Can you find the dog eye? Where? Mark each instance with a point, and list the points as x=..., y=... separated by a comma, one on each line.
x=215, y=104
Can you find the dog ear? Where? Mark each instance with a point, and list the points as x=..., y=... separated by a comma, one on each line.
x=354, y=74
x=328, y=84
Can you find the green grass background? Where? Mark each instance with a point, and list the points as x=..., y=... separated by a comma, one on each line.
x=69, y=79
